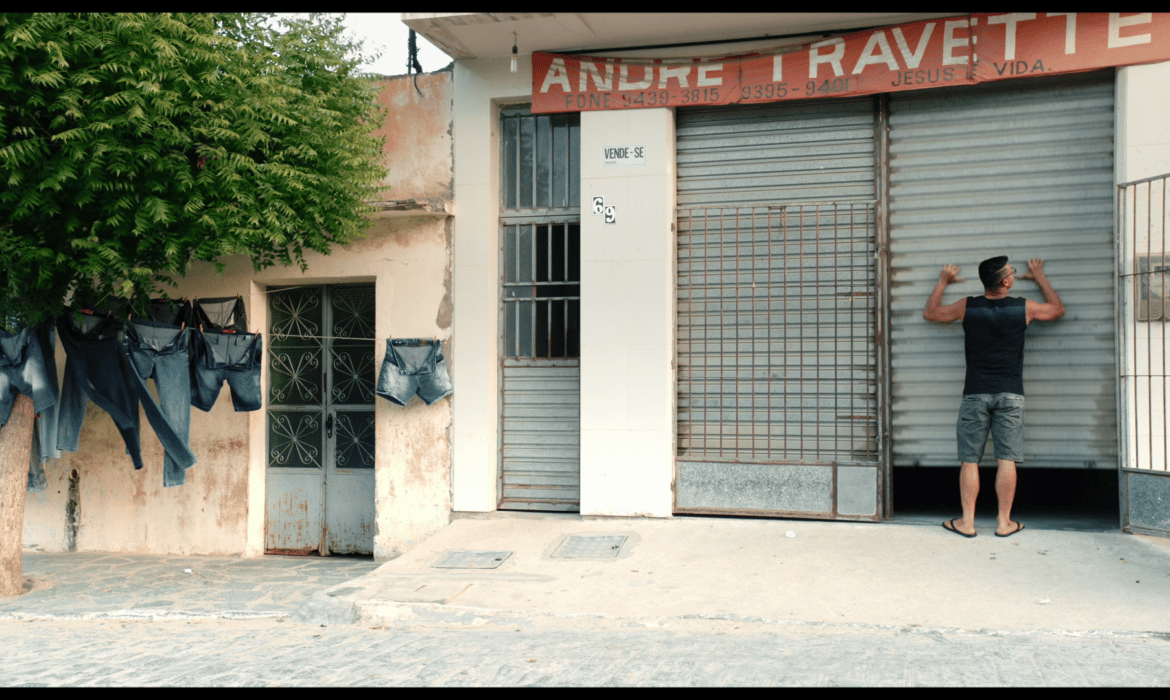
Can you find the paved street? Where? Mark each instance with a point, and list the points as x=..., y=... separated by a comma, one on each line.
x=684, y=602
x=705, y=653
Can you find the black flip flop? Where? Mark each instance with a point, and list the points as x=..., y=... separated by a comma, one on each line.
x=1021, y=527
x=950, y=526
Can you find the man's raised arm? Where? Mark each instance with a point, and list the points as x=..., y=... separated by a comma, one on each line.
x=1052, y=308
x=935, y=311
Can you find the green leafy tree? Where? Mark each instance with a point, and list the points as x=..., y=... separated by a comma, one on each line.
x=132, y=145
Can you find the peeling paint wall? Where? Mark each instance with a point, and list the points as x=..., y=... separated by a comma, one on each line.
x=221, y=508
x=418, y=137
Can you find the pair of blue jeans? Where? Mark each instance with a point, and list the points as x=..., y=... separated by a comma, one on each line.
x=98, y=368
x=23, y=368
x=161, y=351
x=231, y=357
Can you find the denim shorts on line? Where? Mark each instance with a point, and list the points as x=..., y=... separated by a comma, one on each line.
x=1000, y=414
x=413, y=365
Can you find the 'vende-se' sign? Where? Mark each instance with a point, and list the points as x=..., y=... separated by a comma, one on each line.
x=957, y=51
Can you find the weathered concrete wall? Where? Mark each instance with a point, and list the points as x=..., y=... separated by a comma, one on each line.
x=115, y=508
x=221, y=508
x=418, y=137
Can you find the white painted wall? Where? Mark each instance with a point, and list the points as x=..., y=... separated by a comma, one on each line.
x=627, y=316
x=627, y=304
x=481, y=87
x=1143, y=129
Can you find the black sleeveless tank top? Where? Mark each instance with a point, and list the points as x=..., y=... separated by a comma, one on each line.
x=994, y=330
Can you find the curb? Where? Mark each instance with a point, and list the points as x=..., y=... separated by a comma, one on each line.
x=439, y=616
x=145, y=614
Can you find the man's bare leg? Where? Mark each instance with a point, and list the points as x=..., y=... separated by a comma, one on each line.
x=968, y=492
x=1005, y=490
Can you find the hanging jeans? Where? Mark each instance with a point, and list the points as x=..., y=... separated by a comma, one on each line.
x=169, y=311
x=231, y=357
x=413, y=365
x=94, y=370
x=97, y=367
x=23, y=369
x=220, y=313
x=45, y=429
x=160, y=351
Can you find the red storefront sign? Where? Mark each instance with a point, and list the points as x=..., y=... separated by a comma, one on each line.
x=934, y=53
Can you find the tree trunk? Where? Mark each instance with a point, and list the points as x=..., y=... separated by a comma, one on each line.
x=15, y=452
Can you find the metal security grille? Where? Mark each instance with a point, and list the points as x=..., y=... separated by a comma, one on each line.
x=541, y=160
x=321, y=377
x=542, y=298
x=319, y=492
x=776, y=357
x=777, y=389
x=1143, y=211
x=540, y=310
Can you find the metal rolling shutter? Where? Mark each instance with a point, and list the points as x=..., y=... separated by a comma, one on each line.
x=776, y=370
x=541, y=438
x=769, y=154
x=1023, y=169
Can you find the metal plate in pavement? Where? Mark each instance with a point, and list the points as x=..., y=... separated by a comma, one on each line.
x=586, y=547
x=472, y=559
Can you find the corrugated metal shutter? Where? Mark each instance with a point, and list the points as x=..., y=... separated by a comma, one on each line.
x=776, y=371
x=1023, y=169
x=769, y=154
x=541, y=438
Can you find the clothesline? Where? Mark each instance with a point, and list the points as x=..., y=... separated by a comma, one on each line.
x=330, y=337
x=318, y=337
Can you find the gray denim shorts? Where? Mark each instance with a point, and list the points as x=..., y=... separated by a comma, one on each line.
x=1002, y=415
x=413, y=366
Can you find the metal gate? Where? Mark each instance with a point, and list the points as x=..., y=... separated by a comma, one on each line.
x=320, y=481
x=1023, y=169
x=540, y=401
x=776, y=311
x=1143, y=210
x=540, y=311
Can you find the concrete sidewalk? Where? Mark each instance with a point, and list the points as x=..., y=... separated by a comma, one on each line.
x=765, y=571
x=676, y=572
x=110, y=585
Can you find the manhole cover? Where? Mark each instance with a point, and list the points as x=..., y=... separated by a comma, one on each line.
x=582, y=547
x=471, y=559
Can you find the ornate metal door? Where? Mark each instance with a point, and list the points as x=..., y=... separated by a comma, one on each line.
x=320, y=482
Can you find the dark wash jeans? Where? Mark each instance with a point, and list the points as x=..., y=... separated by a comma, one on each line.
x=174, y=312
x=231, y=357
x=97, y=367
x=220, y=313
x=162, y=352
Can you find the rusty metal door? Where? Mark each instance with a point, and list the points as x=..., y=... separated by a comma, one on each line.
x=1143, y=255
x=320, y=481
